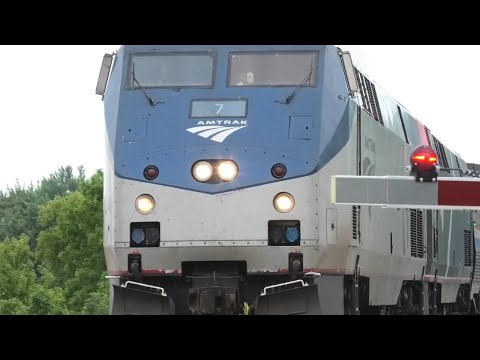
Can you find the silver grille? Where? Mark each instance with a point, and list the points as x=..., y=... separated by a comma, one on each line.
x=416, y=233
x=467, y=246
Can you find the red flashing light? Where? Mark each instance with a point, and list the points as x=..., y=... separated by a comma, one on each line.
x=424, y=158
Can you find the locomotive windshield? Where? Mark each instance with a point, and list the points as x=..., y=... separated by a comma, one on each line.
x=272, y=69
x=171, y=70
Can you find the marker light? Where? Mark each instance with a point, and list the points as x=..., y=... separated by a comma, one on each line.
x=145, y=204
x=423, y=158
x=227, y=170
x=283, y=202
x=279, y=171
x=150, y=172
x=292, y=234
x=202, y=171
x=138, y=235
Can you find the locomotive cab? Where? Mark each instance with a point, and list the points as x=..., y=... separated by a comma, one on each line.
x=217, y=186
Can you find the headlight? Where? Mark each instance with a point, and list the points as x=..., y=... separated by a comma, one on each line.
x=202, y=171
x=283, y=202
x=145, y=204
x=227, y=170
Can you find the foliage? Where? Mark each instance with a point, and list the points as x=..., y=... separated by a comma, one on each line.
x=16, y=269
x=19, y=205
x=21, y=290
x=61, y=182
x=70, y=246
x=51, y=246
x=18, y=212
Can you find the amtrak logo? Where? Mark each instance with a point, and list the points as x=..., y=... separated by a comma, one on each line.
x=217, y=133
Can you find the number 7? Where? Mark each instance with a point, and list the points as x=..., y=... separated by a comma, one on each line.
x=220, y=107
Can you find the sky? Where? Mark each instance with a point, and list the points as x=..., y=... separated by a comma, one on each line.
x=51, y=117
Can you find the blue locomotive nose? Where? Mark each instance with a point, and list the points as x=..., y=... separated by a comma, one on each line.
x=292, y=234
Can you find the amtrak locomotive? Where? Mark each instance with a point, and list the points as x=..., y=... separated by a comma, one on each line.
x=217, y=188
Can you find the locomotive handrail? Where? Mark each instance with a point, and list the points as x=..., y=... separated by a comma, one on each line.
x=312, y=273
x=264, y=292
x=146, y=285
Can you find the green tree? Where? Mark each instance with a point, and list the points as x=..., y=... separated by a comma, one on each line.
x=13, y=306
x=97, y=302
x=18, y=212
x=16, y=269
x=61, y=182
x=45, y=301
x=45, y=297
x=70, y=246
x=21, y=290
x=19, y=205
x=65, y=273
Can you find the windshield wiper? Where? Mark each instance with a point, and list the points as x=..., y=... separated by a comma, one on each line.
x=292, y=95
x=150, y=101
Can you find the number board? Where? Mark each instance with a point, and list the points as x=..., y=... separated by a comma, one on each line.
x=218, y=108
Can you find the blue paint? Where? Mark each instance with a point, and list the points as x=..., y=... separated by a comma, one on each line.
x=140, y=135
x=300, y=128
